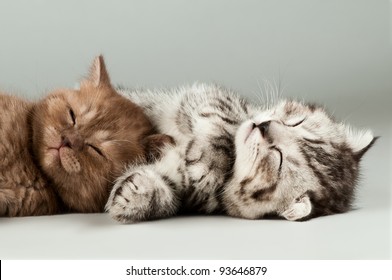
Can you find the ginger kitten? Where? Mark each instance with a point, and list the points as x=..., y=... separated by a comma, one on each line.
x=62, y=153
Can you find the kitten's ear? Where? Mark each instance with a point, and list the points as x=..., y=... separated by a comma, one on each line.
x=360, y=141
x=154, y=145
x=98, y=75
x=298, y=209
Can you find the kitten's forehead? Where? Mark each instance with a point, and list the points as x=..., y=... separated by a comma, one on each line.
x=88, y=115
x=101, y=135
x=317, y=118
x=54, y=101
x=87, y=105
x=291, y=107
x=84, y=109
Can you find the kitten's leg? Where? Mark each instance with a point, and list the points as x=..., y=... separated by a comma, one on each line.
x=17, y=200
x=142, y=194
x=148, y=192
x=9, y=203
x=208, y=163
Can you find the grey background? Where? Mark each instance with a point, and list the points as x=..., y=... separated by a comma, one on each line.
x=335, y=52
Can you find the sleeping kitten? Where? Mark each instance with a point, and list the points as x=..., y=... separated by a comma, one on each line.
x=292, y=160
x=62, y=153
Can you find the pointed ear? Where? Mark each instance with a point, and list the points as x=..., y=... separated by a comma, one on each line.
x=98, y=75
x=154, y=145
x=360, y=141
x=298, y=209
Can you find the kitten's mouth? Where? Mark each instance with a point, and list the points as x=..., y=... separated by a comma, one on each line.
x=65, y=158
x=54, y=151
x=249, y=131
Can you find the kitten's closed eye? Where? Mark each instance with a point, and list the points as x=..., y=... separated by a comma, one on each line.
x=294, y=121
x=96, y=150
x=72, y=115
x=280, y=157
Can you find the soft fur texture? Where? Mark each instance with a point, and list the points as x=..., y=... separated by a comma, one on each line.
x=62, y=153
x=291, y=160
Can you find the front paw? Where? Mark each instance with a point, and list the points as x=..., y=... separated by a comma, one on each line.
x=139, y=196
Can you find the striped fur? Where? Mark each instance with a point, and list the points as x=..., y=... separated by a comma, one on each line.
x=292, y=160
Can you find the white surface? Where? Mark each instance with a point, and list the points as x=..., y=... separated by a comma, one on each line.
x=335, y=52
x=361, y=234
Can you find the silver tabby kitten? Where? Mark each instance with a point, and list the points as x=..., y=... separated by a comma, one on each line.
x=230, y=157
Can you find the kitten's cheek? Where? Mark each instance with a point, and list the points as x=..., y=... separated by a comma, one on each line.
x=69, y=161
x=51, y=137
x=51, y=157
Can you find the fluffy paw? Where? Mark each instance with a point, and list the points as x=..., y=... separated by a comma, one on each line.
x=139, y=196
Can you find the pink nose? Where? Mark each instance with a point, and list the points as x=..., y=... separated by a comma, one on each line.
x=73, y=141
